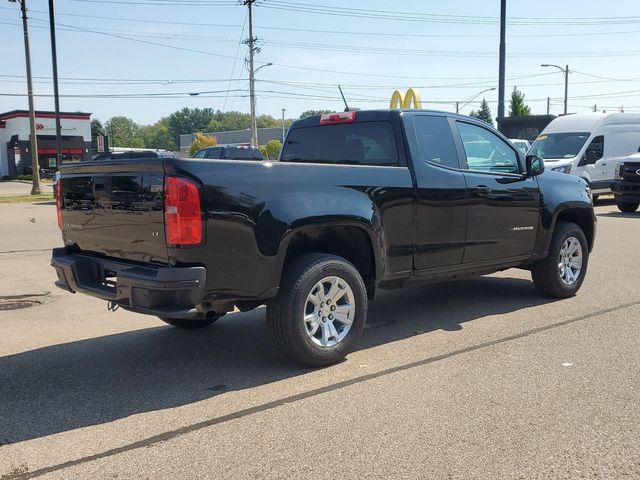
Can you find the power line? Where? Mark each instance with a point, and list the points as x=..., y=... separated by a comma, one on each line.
x=233, y=69
x=148, y=42
x=332, y=32
x=372, y=50
x=340, y=11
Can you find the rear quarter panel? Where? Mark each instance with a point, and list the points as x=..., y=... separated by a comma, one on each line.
x=252, y=210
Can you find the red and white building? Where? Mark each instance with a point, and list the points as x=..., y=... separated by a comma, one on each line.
x=15, y=140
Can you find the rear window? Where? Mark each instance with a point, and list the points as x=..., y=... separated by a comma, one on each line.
x=364, y=143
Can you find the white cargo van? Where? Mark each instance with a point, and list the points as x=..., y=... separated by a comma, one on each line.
x=589, y=145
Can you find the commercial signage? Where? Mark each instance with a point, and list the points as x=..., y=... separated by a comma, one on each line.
x=100, y=143
x=400, y=100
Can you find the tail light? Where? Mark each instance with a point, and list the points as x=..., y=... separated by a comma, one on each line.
x=338, y=117
x=182, y=212
x=58, y=193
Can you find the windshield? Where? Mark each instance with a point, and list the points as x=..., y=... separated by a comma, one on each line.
x=559, y=145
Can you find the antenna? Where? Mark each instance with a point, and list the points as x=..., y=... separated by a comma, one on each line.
x=346, y=107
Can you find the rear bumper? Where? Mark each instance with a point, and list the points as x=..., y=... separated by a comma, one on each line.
x=172, y=292
x=626, y=191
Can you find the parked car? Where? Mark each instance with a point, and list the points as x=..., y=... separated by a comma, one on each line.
x=626, y=186
x=359, y=201
x=520, y=144
x=589, y=145
x=135, y=154
x=230, y=152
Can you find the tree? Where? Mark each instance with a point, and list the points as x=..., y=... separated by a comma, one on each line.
x=484, y=113
x=96, y=128
x=313, y=113
x=202, y=141
x=227, y=121
x=189, y=120
x=517, y=106
x=272, y=149
x=267, y=121
x=158, y=136
x=124, y=132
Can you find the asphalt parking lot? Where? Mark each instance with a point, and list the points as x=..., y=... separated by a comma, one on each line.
x=479, y=378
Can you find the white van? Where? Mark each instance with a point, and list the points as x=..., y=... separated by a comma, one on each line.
x=589, y=145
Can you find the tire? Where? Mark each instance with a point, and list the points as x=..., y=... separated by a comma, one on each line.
x=291, y=315
x=627, y=207
x=188, y=323
x=547, y=275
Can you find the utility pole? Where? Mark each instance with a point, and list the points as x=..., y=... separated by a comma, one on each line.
x=503, y=48
x=566, y=88
x=595, y=108
x=457, y=107
x=56, y=96
x=283, y=110
x=35, y=189
x=252, y=89
x=548, y=105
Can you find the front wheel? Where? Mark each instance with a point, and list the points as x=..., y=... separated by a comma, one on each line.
x=627, y=207
x=561, y=274
x=320, y=310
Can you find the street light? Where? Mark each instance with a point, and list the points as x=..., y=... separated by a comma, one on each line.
x=254, y=124
x=458, y=108
x=35, y=189
x=566, y=81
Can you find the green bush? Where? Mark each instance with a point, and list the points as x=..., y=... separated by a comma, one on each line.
x=27, y=178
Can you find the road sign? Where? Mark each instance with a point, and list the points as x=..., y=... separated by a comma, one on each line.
x=100, y=143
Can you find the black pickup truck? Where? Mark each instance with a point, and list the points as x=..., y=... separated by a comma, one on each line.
x=626, y=186
x=358, y=201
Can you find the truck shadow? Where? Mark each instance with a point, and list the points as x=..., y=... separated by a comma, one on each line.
x=89, y=382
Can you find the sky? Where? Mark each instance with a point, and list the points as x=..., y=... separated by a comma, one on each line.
x=145, y=59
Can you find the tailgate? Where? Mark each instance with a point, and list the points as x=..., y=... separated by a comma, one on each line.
x=115, y=209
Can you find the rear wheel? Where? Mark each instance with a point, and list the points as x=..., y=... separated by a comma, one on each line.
x=320, y=310
x=627, y=207
x=189, y=323
x=561, y=274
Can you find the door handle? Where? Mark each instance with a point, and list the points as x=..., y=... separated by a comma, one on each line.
x=483, y=190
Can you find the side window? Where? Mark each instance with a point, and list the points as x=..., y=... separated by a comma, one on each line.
x=486, y=151
x=214, y=153
x=597, y=147
x=200, y=154
x=435, y=141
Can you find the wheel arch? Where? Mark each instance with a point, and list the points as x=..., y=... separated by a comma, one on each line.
x=354, y=242
x=582, y=217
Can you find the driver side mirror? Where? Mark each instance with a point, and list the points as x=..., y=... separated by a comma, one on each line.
x=535, y=165
x=591, y=157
